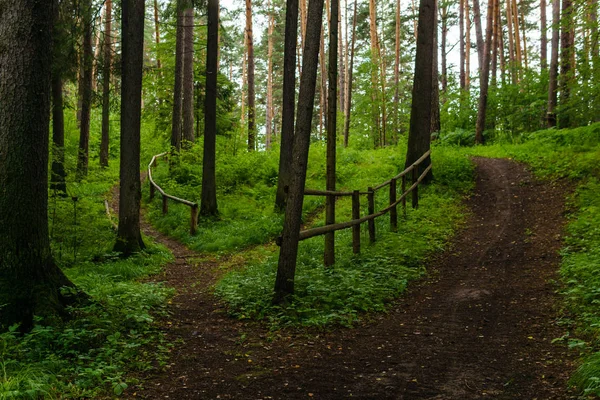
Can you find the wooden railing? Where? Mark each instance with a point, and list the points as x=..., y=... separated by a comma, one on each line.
x=394, y=201
x=166, y=197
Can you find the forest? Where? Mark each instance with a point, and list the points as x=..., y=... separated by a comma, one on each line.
x=292, y=199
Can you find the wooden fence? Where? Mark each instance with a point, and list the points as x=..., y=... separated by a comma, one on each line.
x=166, y=197
x=394, y=201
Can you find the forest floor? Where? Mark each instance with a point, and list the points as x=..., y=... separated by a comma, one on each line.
x=479, y=325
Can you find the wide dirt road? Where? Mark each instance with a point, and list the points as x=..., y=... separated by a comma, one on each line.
x=480, y=326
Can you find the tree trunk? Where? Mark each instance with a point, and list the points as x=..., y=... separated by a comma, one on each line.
x=157, y=34
x=288, y=103
x=208, y=204
x=286, y=269
x=97, y=49
x=553, y=80
x=129, y=239
x=188, y=74
x=323, y=87
x=376, y=127
x=58, y=174
x=436, y=124
x=461, y=39
x=350, y=73
x=176, y=127
x=543, y=37
x=594, y=31
x=251, y=87
x=566, y=48
x=106, y=85
x=269, y=110
x=511, y=43
x=331, y=130
x=443, y=49
x=495, y=39
x=397, y=74
x=484, y=76
x=341, y=64
x=517, y=41
x=524, y=34
x=467, y=48
x=30, y=281
x=86, y=99
x=419, y=137
x=478, y=32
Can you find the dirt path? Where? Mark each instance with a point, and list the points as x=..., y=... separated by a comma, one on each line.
x=480, y=326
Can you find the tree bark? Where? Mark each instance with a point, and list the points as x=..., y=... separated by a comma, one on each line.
x=288, y=102
x=188, y=74
x=484, y=76
x=341, y=64
x=157, y=35
x=478, y=32
x=269, y=110
x=553, y=80
x=251, y=86
x=208, y=205
x=511, y=43
x=86, y=99
x=436, y=123
x=331, y=130
x=176, y=127
x=106, y=85
x=443, y=48
x=566, y=48
x=286, y=269
x=461, y=23
x=323, y=86
x=30, y=281
x=129, y=239
x=419, y=137
x=495, y=40
x=350, y=79
x=467, y=48
x=376, y=127
x=543, y=36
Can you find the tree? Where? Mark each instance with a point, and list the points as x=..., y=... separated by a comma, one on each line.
x=129, y=238
x=419, y=136
x=58, y=174
x=208, y=205
x=269, y=111
x=350, y=79
x=106, y=85
x=553, y=80
x=188, y=73
x=286, y=268
x=543, y=37
x=251, y=85
x=484, y=75
x=566, y=52
x=288, y=101
x=176, y=127
x=30, y=281
x=86, y=90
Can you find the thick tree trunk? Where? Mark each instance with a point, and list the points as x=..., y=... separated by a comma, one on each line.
x=594, y=31
x=553, y=80
x=30, y=281
x=484, y=76
x=419, y=137
x=511, y=43
x=517, y=41
x=251, y=86
x=331, y=130
x=86, y=99
x=467, y=48
x=129, y=239
x=208, y=205
x=478, y=32
x=495, y=39
x=286, y=269
x=543, y=36
x=397, y=73
x=323, y=86
x=350, y=74
x=288, y=103
x=106, y=86
x=188, y=74
x=443, y=48
x=566, y=49
x=341, y=64
x=176, y=127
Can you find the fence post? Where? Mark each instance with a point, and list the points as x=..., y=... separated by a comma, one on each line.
x=329, y=254
x=152, y=190
x=371, y=223
x=404, y=198
x=194, y=219
x=393, y=210
x=415, y=193
x=355, y=216
x=165, y=205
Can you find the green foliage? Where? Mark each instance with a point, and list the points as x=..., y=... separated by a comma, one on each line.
x=365, y=283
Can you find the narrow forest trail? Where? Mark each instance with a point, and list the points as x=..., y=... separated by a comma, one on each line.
x=479, y=326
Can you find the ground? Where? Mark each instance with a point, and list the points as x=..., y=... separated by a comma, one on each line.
x=480, y=325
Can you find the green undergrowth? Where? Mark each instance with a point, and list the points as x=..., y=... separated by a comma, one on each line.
x=367, y=282
x=95, y=352
x=572, y=154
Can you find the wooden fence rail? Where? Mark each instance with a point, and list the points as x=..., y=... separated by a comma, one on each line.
x=394, y=201
x=166, y=197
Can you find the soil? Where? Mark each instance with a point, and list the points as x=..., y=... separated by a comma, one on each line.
x=479, y=326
